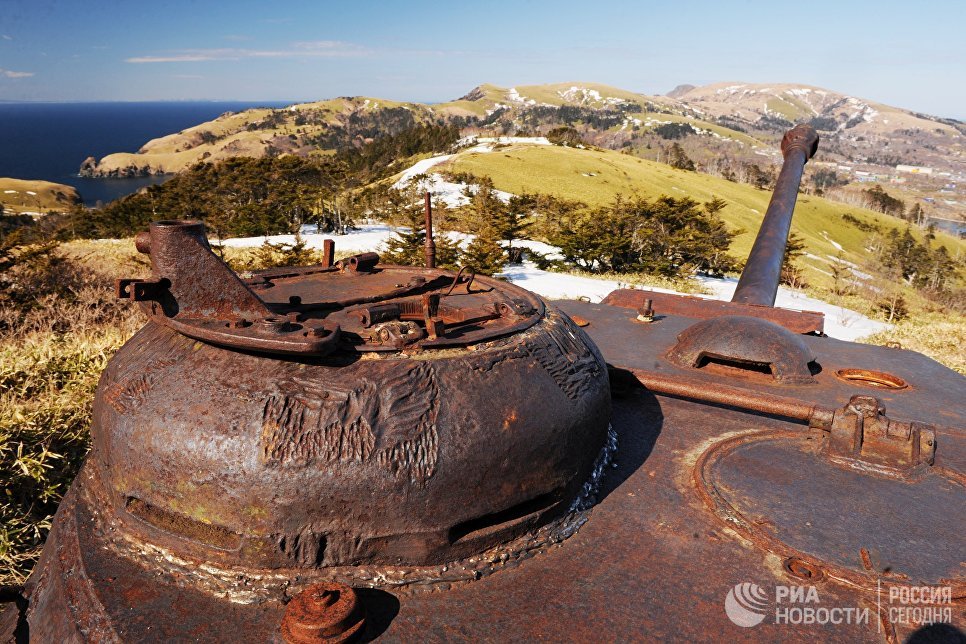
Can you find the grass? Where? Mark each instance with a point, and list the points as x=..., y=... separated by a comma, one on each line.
x=787, y=108
x=597, y=176
x=60, y=326
x=939, y=335
x=49, y=196
x=54, y=344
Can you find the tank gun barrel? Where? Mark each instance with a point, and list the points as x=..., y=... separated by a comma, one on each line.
x=759, y=280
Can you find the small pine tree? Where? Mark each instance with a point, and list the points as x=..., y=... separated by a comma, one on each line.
x=790, y=273
x=842, y=282
x=714, y=206
x=677, y=158
x=514, y=220
x=484, y=254
x=894, y=306
x=271, y=255
x=407, y=246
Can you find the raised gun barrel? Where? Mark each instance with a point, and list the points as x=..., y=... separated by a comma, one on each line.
x=759, y=281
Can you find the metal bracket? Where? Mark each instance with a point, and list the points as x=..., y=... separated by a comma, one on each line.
x=514, y=306
x=861, y=432
x=198, y=295
x=396, y=334
x=139, y=290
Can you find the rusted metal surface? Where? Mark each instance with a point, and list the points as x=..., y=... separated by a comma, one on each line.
x=664, y=304
x=861, y=432
x=13, y=607
x=445, y=469
x=430, y=242
x=759, y=279
x=644, y=348
x=449, y=416
x=315, y=310
x=654, y=560
x=326, y=612
x=746, y=342
x=702, y=498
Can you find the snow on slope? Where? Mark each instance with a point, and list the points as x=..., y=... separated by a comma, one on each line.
x=453, y=193
x=840, y=323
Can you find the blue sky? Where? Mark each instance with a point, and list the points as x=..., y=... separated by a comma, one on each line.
x=906, y=54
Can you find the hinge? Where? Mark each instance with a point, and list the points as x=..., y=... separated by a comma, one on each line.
x=862, y=433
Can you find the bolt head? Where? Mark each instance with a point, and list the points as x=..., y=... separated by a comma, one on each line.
x=325, y=612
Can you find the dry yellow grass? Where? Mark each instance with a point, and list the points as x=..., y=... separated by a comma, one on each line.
x=60, y=325
x=23, y=195
x=941, y=336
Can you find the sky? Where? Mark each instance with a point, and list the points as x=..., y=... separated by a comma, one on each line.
x=905, y=54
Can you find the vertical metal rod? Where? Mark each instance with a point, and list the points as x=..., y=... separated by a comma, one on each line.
x=758, y=283
x=430, y=242
x=328, y=252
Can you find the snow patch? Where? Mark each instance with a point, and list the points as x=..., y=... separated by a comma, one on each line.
x=837, y=245
x=840, y=322
x=515, y=97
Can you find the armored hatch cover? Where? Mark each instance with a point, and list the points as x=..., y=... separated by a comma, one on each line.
x=749, y=459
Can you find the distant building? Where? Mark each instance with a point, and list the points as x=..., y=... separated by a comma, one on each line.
x=913, y=169
x=867, y=177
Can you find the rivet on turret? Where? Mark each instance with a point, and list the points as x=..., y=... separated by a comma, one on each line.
x=325, y=612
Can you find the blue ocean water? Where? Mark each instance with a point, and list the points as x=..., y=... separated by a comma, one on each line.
x=50, y=140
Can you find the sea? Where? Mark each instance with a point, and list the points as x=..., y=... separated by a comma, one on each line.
x=49, y=141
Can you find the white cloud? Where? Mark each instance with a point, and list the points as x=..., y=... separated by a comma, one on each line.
x=309, y=49
x=12, y=74
x=179, y=58
x=6, y=37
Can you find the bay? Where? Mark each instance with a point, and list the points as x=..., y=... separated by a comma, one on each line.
x=49, y=141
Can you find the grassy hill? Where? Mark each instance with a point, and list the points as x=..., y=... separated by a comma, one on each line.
x=597, y=176
x=22, y=195
x=302, y=129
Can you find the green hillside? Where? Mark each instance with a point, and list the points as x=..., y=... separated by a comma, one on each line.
x=597, y=176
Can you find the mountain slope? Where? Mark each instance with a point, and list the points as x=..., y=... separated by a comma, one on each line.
x=796, y=103
x=22, y=195
x=302, y=129
x=597, y=176
x=724, y=128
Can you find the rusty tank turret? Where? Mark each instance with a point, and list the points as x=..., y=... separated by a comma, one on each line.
x=353, y=451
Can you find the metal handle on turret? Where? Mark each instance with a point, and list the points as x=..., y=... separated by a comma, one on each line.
x=758, y=283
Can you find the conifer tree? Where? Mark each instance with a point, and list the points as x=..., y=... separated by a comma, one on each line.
x=486, y=218
x=678, y=159
x=515, y=220
x=790, y=273
x=407, y=246
x=484, y=254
